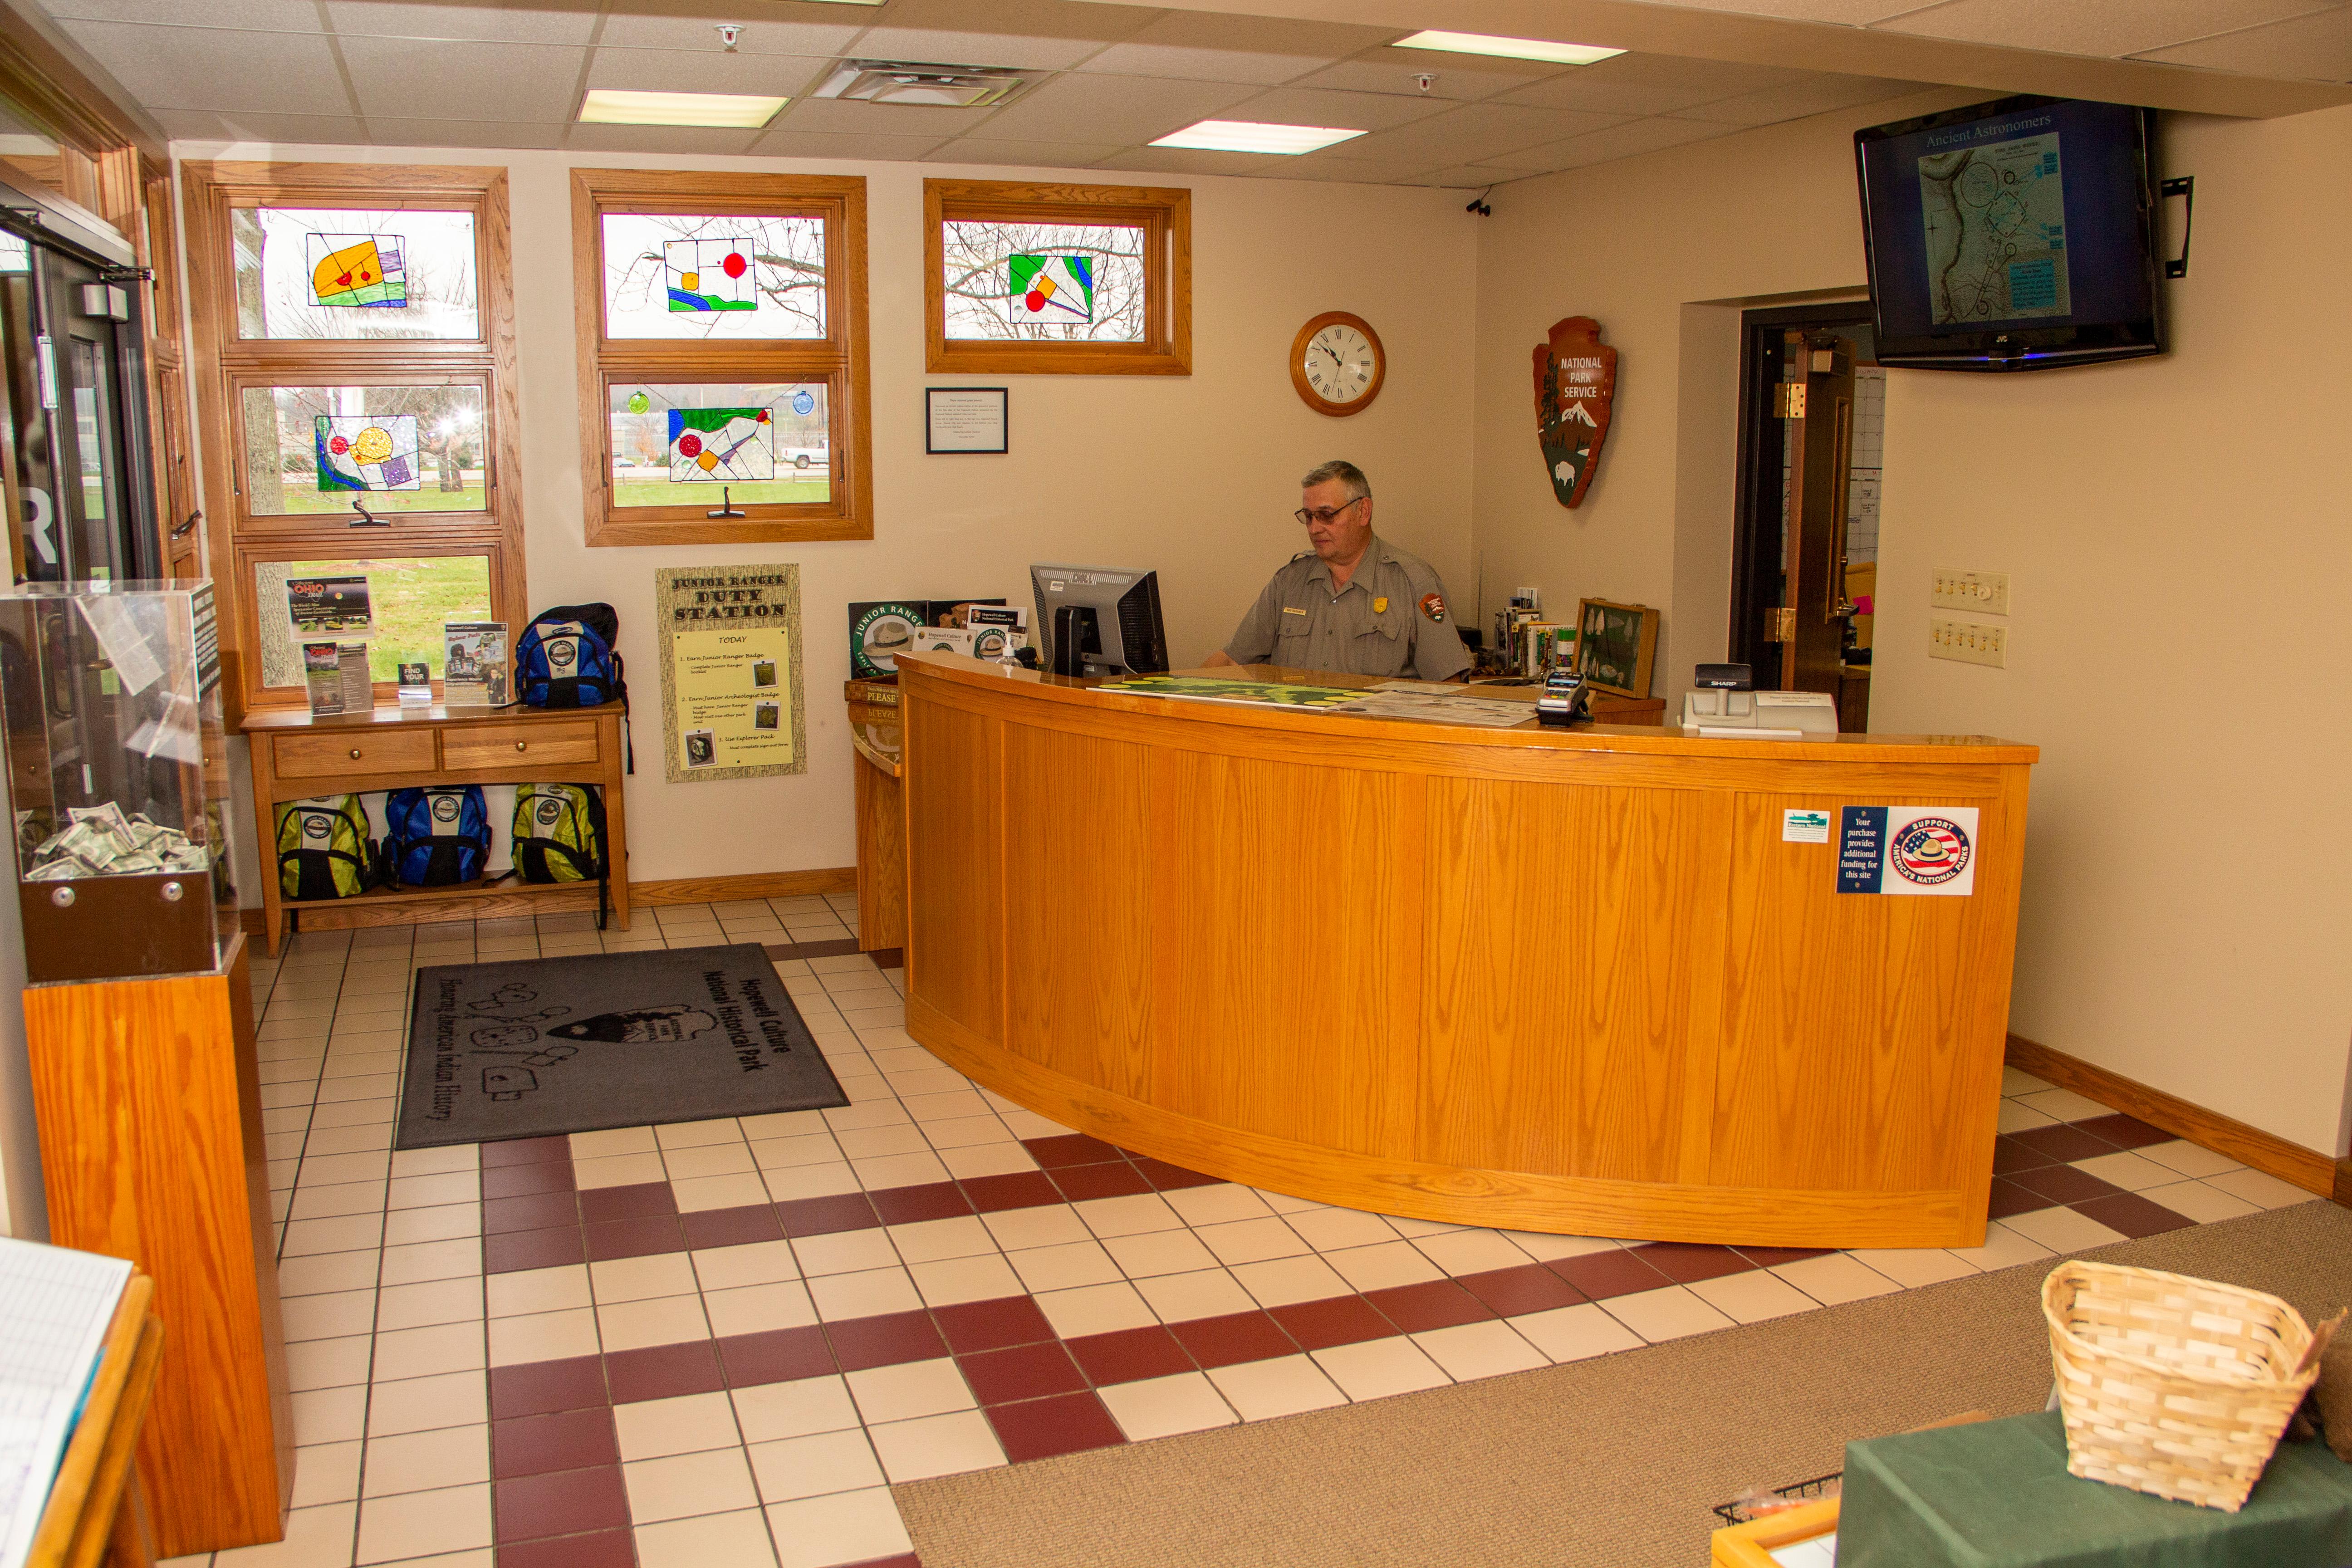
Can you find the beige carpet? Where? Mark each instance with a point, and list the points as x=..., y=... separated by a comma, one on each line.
x=1611, y=1463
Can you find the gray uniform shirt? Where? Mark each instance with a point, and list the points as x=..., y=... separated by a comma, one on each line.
x=1390, y=619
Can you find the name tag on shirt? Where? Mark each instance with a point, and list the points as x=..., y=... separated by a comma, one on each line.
x=1290, y=610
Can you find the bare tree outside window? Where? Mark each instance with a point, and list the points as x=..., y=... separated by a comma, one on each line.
x=713, y=279
x=276, y=249
x=984, y=299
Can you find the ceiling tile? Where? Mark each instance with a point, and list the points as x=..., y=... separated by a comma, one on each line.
x=272, y=16
x=813, y=144
x=1625, y=85
x=1191, y=161
x=1477, y=132
x=1261, y=50
x=1335, y=165
x=1845, y=13
x=286, y=130
x=504, y=134
x=1319, y=106
x=853, y=117
x=212, y=67
x=693, y=140
x=1716, y=78
x=1393, y=70
x=1464, y=178
x=1121, y=108
x=1027, y=154
x=768, y=28
x=1794, y=100
x=417, y=80
x=705, y=70
x=2091, y=29
x=515, y=21
x=1043, y=34
x=1627, y=141
x=2314, y=48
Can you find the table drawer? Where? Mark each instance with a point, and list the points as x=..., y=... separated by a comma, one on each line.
x=519, y=745
x=353, y=752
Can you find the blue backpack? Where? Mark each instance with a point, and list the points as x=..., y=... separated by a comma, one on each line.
x=436, y=837
x=565, y=658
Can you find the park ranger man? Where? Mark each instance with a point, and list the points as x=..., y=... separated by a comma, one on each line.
x=1354, y=603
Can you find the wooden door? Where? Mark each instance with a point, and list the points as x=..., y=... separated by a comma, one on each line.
x=1814, y=607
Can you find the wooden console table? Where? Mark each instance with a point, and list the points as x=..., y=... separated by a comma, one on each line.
x=297, y=755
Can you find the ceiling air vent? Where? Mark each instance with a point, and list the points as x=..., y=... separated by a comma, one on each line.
x=929, y=86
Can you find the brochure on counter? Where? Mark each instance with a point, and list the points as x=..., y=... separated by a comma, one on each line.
x=1409, y=702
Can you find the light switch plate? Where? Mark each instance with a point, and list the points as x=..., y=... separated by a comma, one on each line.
x=1969, y=642
x=1986, y=592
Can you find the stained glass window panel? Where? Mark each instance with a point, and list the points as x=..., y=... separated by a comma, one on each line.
x=1043, y=283
x=408, y=599
x=313, y=450
x=680, y=445
x=342, y=274
x=679, y=277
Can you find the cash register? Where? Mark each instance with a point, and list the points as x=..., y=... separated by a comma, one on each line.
x=1726, y=705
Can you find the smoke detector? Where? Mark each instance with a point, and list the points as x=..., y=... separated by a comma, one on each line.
x=925, y=86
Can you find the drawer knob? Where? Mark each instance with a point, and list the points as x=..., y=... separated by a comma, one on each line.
x=355, y=754
x=522, y=745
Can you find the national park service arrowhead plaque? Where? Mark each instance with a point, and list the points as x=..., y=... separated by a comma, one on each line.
x=1576, y=380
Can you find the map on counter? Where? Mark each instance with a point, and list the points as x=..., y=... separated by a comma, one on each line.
x=1250, y=693
x=1996, y=221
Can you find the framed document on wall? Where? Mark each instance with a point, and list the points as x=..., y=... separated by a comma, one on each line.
x=966, y=419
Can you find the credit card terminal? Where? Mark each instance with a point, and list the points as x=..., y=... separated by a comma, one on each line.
x=1563, y=698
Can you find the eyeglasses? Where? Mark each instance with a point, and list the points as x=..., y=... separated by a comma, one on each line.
x=1324, y=514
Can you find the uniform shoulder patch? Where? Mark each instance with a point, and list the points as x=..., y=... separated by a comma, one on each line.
x=1434, y=606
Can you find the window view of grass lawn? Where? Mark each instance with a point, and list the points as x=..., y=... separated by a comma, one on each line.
x=410, y=599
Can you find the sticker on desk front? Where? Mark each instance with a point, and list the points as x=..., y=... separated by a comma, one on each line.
x=1804, y=827
x=1908, y=850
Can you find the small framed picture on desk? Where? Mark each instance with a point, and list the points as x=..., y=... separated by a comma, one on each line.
x=966, y=419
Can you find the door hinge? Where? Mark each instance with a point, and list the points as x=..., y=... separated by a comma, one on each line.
x=1780, y=623
x=1788, y=400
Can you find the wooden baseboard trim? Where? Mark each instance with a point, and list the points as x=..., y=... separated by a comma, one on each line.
x=2343, y=1194
x=2266, y=1152
x=755, y=885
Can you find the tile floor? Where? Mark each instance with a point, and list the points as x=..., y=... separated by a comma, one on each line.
x=715, y=1345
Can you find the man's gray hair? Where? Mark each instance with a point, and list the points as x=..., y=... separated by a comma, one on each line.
x=1346, y=472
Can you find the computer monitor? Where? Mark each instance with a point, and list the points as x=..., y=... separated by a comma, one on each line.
x=1099, y=620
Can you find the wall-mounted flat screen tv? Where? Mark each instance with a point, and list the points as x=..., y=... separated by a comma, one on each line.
x=2013, y=236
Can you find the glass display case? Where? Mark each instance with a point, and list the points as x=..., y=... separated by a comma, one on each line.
x=118, y=775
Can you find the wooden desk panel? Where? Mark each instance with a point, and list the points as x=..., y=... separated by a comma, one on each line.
x=1567, y=981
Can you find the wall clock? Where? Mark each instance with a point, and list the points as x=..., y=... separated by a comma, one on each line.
x=1336, y=364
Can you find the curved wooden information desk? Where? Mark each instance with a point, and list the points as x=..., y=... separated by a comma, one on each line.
x=1586, y=981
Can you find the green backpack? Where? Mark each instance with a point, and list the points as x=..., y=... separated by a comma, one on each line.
x=559, y=833
x=323, y=849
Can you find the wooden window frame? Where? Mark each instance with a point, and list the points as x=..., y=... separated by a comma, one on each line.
x=1165, y=215
x=225, y=364
x=838, y=359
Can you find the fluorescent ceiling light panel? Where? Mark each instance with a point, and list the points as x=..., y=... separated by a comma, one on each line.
x=1249, y=136
x=611, y=106
x=1509, y=49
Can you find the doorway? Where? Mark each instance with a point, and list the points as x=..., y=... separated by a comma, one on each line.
x=1804, y=562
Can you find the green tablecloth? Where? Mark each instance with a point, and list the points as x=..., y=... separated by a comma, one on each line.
x=1997, y=1495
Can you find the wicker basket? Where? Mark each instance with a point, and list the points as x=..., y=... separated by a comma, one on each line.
x=2170, y=1386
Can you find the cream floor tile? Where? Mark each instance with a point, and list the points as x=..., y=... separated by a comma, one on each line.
x=810, y=1181
x=2189, y=1159
x=543, y=1336
x=1047, y=1225
x=424, y=1524
x=813, y=1466
x=326, y=1273
x=1545, y=1249
x=1377, y=1268
x=431, y=1261
x=869, y=1142
x=2002, y=1248
x=1139, y=1214
x=2128, y=1171
x=347, y=1139
x=532, y=1290
x=900, y=1171
x=315, y=1538
x=403, y=1227
x=840, y=1527
x=2064, y=1105
x=617, y=1171
x=1154, y=1252
x=967, y=1132
x=2017, y=1080
x=953, y=1280
x=818, y=1148
x=646, y=1279
x=1667, y=1314
x=655, y=1429
x=1575, y=1333
x=1909, y=1266
x=909, y=1389
x=954, y=1106
x=686, y=1486
x=330, y=1415
x=987, y=1160
x=2016, y=1116
x=1759, y=1294
x=863, y=1295
x=757, y=1309
x=426, y=1404
x=2255, y=1187
x=1280, y=1281
x=1252, y=1240
x=2200, y=1201
x=327, y=1364
x=1284, y=1387
x=727, y=1159
x=1066, y=1266
x=662, y=1320
x=329, y=1315
x=1414, y=1229
x=753, y=1263
x=773, y=1410
x=1205, y=1293
x=1224, y=1204
x=428, y=1461
x=1471, y=1251
x=738, y=1540
x=1163, y=1406
x=430, y=1304
x=429, y=1352
x=850, y=1118
x=2063, y=1230
x=437, y=1161
x=326, y=1472
x=1095, y=1310
x=431, y=1191
x=1377, y=1368
x=325, y=1170
x=614, y=1141
x=695, y=1194
x=1835, y=1277
x=346, y=1234
x=928, y=1241
x=845, y=1252
x=1332, y=1229
x=1479, y=1350
x=935, y=1446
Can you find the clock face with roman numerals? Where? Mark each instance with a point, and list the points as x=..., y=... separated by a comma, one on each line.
x=1336, y=364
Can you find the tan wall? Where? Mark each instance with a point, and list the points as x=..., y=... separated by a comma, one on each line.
x=2176, y=532
x=1195, y=475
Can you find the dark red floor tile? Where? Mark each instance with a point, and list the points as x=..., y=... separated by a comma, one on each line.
x=2125, y=1131
x=1432, y=1304
x=568, y=1440
x=635, y=1201
x=1068, y=1424
x=1233, y=1339
x=1170, y=1178
x=1687, y=1263
x=2009, y=1198
x=904, y=1560
x=1773, y=1257
x=599, y=1549
x=663, y=1372
x=521, y=1181
x=779, y=1355
x=539, y=1387
x=1616, y=1272
x=533, y=1211
x=1129, y=1355
x=827, y=1216
x=973, y=1326
x=731, y=1228
x=1070, y=1149
x=1335, y=1321
x=2133, y=1214
x=911, y=1205
x=1080, y=1182
x=2063, y=1183
x=1020, y=1190
x=517, y=1249
x=566, y=1502
x=527, y=1151
x=1024, y=1372
x=1530, y=1288
x=885, y=1341
x=2062, y=1142
x=634, y=1238
x=2009, y=1155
